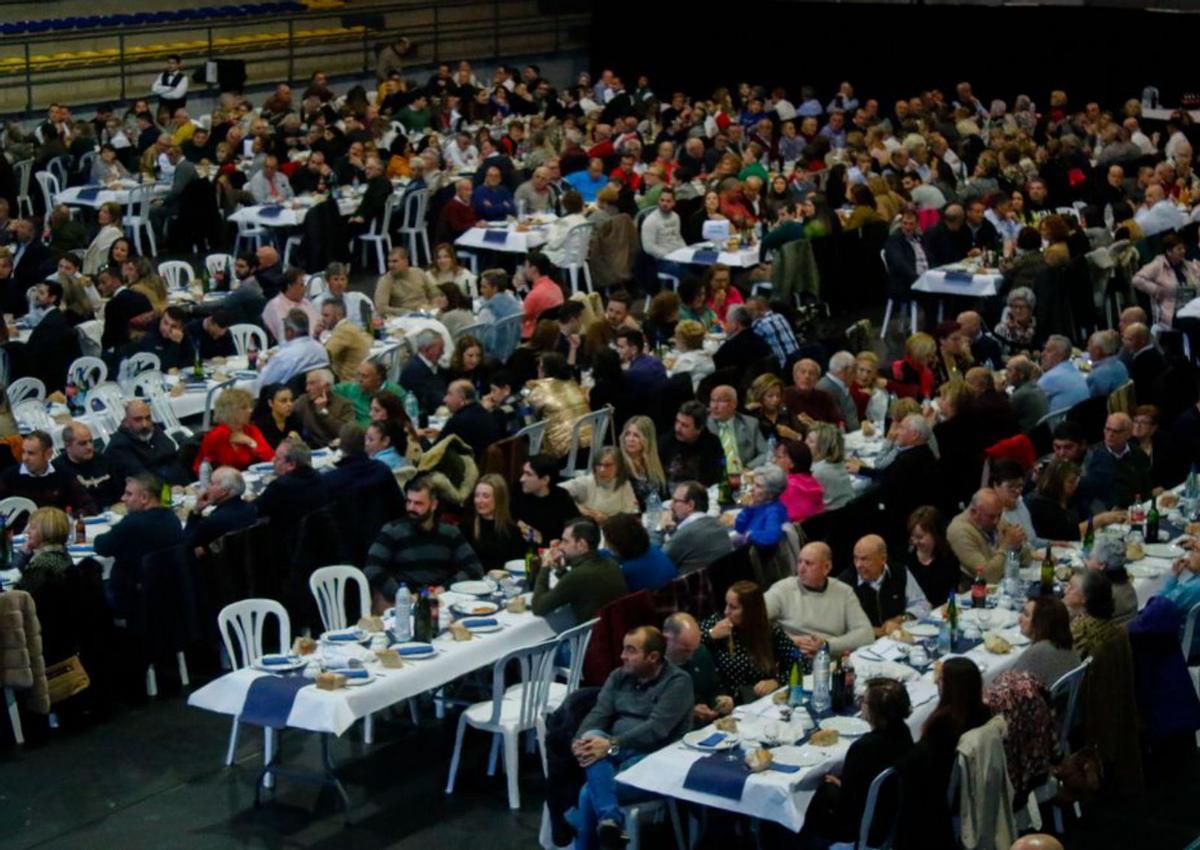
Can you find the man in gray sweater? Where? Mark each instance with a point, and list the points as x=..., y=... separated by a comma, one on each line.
x=698, y=539
x=642, y=707
x=816, y=609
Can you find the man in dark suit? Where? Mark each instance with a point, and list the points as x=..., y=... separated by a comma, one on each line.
x=423, y=375
x=908, y=481
x=174, y=348
x=297, y=490
x=147, y=527
x=374, y=199
x=619, y=105
x=906, y=255
x=982, y=232
x=1147, y=362
x=742, y=347
x=125, y=308
x=356, y=469
x=985, y=349
x=31, y=259
x=52, y=346
x=949, y=240
x=469, y=421
x=168, y=207
x=230, y=512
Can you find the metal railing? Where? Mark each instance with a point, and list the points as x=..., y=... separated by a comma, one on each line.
x=137, y=53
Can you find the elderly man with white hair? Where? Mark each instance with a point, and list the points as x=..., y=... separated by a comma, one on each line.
x=534, y=195
x=906, y=481
x=837, y=381
x=1116, y=472
x=741, y=438
x=322, y=413
x=423, y=374
x=979, y=539
x=220, y=509
x=1064, y=386
x=1108, y=372
x=1158, y=213
x=887, y=593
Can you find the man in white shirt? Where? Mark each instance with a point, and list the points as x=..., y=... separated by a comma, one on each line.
x=662, y=231
x=1158, y=214
x=171, y=87
x=461, y=154
x=269, y=186
x=290, y=298
x=1144, y=142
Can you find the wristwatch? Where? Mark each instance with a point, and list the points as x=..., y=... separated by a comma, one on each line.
x=614, y=747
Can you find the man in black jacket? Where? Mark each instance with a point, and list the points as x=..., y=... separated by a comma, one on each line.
x=93, y=471
x=908, y=481
x=423, y=375
x=374, y=199
x=297, y=490
x=357, y=470
x=982, y=232
x=175, y=350
x=37, y=480
x=1147, y=362
x=906, y=255
x=692, y=452
x=886, y=591
x=542, y=508
x=52, y=346
x=147, y=527
x=230, y=512
x=742, y=347
x=123, y=309
x=31, y=259
x=141, y=446
x=949, y=240
x=469, y=421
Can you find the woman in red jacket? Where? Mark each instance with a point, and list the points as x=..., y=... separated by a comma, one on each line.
x=234, y=441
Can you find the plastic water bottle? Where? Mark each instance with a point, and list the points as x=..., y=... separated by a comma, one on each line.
x=653, y=514
x=771, y=441
x=205, y=474
x=1012, y=578
x=402, y=628
x=411, y=409
x=821, y=700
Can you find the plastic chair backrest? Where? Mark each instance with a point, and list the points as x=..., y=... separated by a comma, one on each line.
x=315, y=285
x=31, y=415
x=89, y=334
x=868, y=816
x=478, y=330
x=328, y=585
x=59, y=167
x=50, y=186
x=246, y=620
x=506, y=333
x=136, y=364
x=243, y=334
x=23, y=389
x=383, y=225
x=575, y=246
x=536, y=433
x=1189, y=631
x=536, y=665
x=1066, y=690
x=87, y=372
x=24, y=170
x=16, y=508
x=359, y=304
x=576, y=639
x=139, y=204
x=598, y=420
x=218, y=263
x=415, y=205
x=106, y=402
x=177, y=274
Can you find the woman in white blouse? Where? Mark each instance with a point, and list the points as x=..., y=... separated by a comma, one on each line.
x=96, y=257
x=606, y=491
x=690, y=356
x=445, y=269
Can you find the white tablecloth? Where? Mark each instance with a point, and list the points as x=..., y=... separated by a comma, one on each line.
x=294, y=211
x=515, y=241
x=981, y=285
x=742, y=258
x=1190, y=310
x=119, y=195
x=336, y=711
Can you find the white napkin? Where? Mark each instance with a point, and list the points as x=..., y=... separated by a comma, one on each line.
x=920, y=691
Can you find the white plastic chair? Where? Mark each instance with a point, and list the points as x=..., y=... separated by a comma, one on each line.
x=16, y=508
x=137, y=218
x=60, y=167
x=23, y=389
x=251, y=233
x=31, y=415
x=891, y=303
x=244, y=334
x=105, y=405
x=293, y=243
x=380, y=235
x=87, y=372
x=868, y=817
x=50, y=186
x=505, y=336
x=135, y=365
x=479, y=330
x=599, y=421
x=1189, y=630
x=24, y=170
x=329, y=586
x=575, y=255
x=315, y=285
x=575, y=640
x=359, y=306
x=412, y=228
x=218, y=263
x=244, y=622
x=1064, y=698
x=536, y=433
x=510, y=711
x=177, y=274
x=89, y=334
x=148, y=386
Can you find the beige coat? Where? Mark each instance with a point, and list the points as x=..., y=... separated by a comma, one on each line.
x=21, y=662
x=986, y=791
x=973, y=549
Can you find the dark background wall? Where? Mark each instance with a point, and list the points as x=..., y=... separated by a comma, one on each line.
x=890, y=51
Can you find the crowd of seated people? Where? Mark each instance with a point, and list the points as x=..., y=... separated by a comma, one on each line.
x=710, y=386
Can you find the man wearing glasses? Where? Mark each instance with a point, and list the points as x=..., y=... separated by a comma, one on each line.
x=697, y=539
x=1116, y=472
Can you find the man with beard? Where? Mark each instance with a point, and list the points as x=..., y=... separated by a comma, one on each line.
x=141, y=446
x=418, y=551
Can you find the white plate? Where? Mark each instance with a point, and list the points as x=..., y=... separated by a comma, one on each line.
x=262, y=468
x=1145, y=570
x=865, y=669
x=359, y=635
x=359, y=682
x=480, y=630
x=294, y=662
x=1168, y=551
x=847, y=727
x=987, y=618
x=413, y=643
x=516, y=567
x=798, y=756
x=1013, y=636
x=473, y=588
x=921, y=630
x=693, y=739
x=475, y=608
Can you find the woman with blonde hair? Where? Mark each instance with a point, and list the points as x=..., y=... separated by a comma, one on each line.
x=914, y=373
x=639, y=451
x=236, y=441
x=51, y=578
x=141, y=276
x=445, y=269
x=109, y=217
x=690, y=356
x=869, y=400
x=490, y=529
x=829, y=464
x=765, y=402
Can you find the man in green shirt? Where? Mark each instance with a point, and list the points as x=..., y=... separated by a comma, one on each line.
x=416, y=116
x=371, y=378
x=685, y=651
x=587, y=580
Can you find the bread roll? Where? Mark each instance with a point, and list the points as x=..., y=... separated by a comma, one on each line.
x=330, y=681
x=824, y=738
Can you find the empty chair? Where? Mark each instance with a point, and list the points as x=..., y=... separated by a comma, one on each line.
x=575, y=643
x=60, y=167
x=510, y=711
x=246, y=335
x=598, y=421
x=380, y=235
x=504, y=337
x=136, y=364
x=479, y=330
x=536, y=433
x=89, y=334
x=251, y=233
x=329, y=586
x=31, y=415
x=293, y=243
x=24, y=171
x=137, y=219
x=23, y=389
x=241, y=625
x=412, y=228
x=177, y=274
x=575, y=252
x=87, y=372
x=50, y=186
x=15, y=510
x=105, y=404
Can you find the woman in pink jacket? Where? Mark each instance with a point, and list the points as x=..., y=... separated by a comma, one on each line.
x=1162, y=278
x=804, y=496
